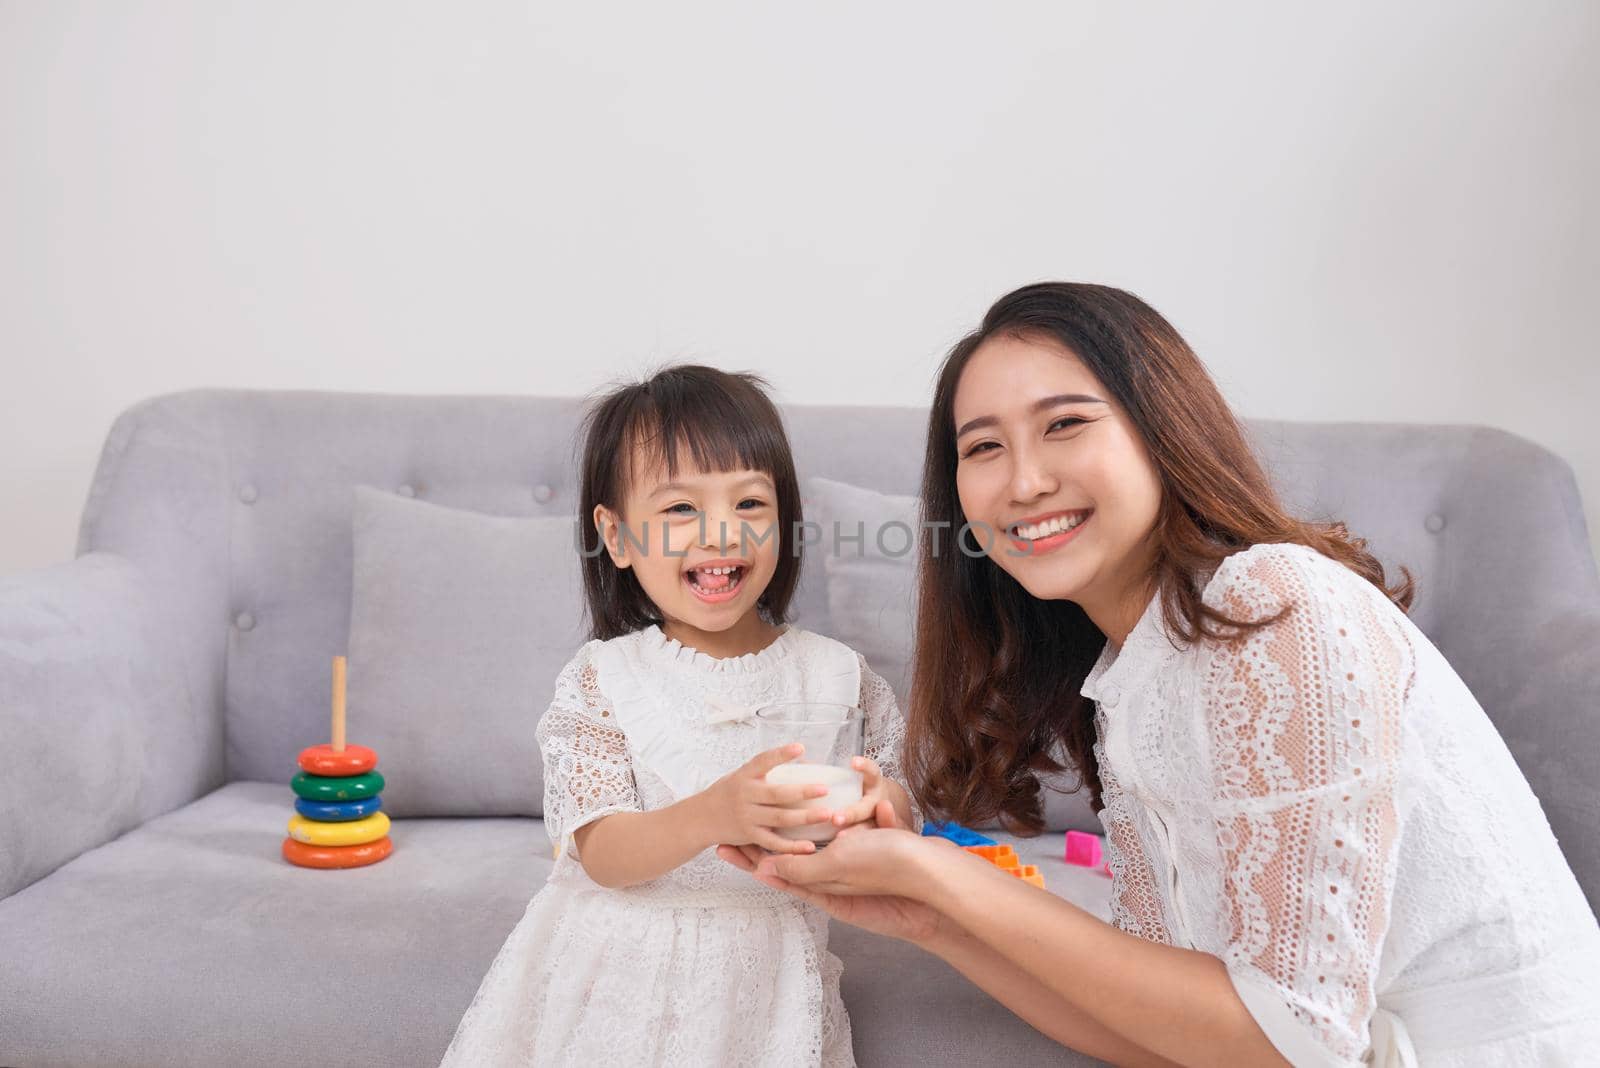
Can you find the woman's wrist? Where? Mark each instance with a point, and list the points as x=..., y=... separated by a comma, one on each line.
x=946, y=940
x=950, y=879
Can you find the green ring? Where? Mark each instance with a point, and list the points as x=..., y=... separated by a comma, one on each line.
x=337, y=787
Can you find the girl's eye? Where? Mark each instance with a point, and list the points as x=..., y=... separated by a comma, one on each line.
x=682, y=509
x=982, y=446
x=754, y=502
x=1067, y=420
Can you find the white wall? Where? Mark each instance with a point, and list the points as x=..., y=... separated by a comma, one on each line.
x=1353, y=212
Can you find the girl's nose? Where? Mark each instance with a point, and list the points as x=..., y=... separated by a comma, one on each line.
x=718, y=531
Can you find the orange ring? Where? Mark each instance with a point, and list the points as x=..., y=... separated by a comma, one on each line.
x=322, y=760
x=309, y=856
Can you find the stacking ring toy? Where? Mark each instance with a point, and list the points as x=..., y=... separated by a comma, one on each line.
x=342, y=788
x=355, y=832
x=308, y=856
x=325, y=760
x=338, y=819
x=337, y=811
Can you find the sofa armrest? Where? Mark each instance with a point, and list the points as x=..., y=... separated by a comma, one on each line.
x=1550, y=720
x=92, y=685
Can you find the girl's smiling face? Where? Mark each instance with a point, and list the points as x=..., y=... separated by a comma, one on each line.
x=1054, y=476
x=704, y=546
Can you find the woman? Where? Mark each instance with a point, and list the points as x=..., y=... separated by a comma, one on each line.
x=1322, y=851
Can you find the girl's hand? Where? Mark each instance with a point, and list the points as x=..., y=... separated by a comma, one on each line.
x=815, y=880
x=872, y=792
x=742, y=808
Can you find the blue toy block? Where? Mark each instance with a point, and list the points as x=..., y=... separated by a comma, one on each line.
x=958, y=834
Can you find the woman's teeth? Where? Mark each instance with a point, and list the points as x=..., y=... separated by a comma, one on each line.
x=715, y=579
x=1035, y=531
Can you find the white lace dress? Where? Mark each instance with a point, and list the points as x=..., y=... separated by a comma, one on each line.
x=1327, y=809
x=703, y=965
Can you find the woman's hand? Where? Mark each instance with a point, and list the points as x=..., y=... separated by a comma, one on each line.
x=865, y=878
x=742, y=808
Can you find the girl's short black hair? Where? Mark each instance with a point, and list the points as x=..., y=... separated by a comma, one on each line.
x=727, y=422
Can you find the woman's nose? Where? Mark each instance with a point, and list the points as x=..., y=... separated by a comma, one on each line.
x=1030, y=477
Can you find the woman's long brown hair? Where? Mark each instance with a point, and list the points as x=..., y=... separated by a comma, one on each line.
x=995, y=700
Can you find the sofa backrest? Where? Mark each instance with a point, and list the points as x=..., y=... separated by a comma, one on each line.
x=239, y=504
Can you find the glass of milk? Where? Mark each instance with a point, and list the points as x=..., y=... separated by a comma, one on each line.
x=832, y=736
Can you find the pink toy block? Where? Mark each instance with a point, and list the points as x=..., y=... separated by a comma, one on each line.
x=1083, y=849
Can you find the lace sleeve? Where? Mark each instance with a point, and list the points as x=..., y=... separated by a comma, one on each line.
x=885, y=737
x=587, y=771
x=1303, y=719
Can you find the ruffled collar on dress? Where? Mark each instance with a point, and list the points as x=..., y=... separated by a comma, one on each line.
x=656, y=644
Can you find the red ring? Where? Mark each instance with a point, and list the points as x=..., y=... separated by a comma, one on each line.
x=322, y=760
x=310, y=856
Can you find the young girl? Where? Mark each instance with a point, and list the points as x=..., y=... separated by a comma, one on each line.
x=1322, y=851
x=642, y=948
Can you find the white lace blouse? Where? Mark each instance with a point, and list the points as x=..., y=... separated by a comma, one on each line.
x=1325, y=807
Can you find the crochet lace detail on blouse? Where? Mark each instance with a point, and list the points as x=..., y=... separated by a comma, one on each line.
x=1269, y=783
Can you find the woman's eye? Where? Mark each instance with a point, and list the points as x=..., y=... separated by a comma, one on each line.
x=1067, y=420
x=982, y=446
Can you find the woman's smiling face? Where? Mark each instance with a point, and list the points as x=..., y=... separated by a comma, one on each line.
x=1052, y=473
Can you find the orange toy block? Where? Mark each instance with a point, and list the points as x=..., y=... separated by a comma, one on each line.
x=1001, y=856
x=1028, y=874
x=1005, y=858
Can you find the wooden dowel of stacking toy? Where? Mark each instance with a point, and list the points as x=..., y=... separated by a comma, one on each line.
x=338, y=704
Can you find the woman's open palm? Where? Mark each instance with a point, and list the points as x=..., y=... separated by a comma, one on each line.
x=893, y=915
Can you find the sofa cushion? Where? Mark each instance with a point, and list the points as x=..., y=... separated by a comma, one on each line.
x=189, y=941
x=459, y=624
x=868, y=553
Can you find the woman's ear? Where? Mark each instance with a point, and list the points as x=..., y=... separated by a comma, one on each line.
x=609, y=526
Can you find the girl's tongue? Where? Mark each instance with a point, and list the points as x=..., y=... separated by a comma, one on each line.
x=708, y=581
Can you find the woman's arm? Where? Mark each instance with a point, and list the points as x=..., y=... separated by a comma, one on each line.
x=1175, y=1003
x=1178, y=1004
x=1049, y=1012
x=1077, y=979
x=913, y=921
x=1316, y=753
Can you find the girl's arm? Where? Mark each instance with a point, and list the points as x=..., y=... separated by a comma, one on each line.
x=876, y=787
x=741, y=808
x=591, y=800
x=900, y=799
x=626, y=848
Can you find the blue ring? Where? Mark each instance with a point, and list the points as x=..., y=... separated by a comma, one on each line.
x=338, y=811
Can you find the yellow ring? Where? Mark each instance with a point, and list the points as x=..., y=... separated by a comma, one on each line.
x=346, y=833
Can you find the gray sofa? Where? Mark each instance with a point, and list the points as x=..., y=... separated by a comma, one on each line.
x=155, y=691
